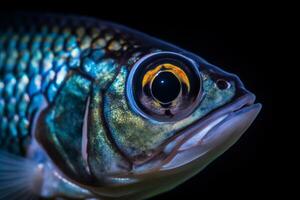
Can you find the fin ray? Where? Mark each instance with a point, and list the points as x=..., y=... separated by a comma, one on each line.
x=17, y=177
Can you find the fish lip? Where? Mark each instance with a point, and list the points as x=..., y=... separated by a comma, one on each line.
x=173, y=145
x=167, y=150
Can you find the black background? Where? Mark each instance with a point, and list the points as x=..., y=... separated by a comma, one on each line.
x=236, y=39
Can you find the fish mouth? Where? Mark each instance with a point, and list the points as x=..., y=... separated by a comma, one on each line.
x=221, y=127
x=191, y=150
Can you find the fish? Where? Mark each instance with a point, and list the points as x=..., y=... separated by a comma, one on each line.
x=90, y=109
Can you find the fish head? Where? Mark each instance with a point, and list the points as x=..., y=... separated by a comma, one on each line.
x=160, y=118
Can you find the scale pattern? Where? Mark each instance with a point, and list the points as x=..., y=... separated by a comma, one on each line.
x=36, y=56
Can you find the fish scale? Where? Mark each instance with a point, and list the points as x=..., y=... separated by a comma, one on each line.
x=35, y=59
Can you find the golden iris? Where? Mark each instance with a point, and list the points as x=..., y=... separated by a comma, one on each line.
x=166, y=67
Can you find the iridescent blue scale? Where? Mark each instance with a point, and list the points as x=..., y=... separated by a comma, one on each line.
x=35, y=59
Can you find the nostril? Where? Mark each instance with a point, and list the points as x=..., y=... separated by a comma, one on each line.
x=222, y=84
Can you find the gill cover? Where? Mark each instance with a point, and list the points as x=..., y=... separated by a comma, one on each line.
x=72, y=130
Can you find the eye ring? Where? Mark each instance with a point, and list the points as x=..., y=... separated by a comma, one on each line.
x=182, y=106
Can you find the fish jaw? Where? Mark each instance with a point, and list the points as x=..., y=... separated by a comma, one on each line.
x=216, y=140
x=196, y=147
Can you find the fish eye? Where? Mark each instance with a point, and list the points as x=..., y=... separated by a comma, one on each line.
x=164, y=86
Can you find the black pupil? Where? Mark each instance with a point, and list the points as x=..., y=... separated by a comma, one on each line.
x=165, y=87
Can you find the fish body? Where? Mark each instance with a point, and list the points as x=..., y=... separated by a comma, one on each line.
x=92, y=109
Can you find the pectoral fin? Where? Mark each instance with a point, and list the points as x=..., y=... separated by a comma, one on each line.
x=20, y=178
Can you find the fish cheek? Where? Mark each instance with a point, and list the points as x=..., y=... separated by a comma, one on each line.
x=59, y=128
x=135, y=136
